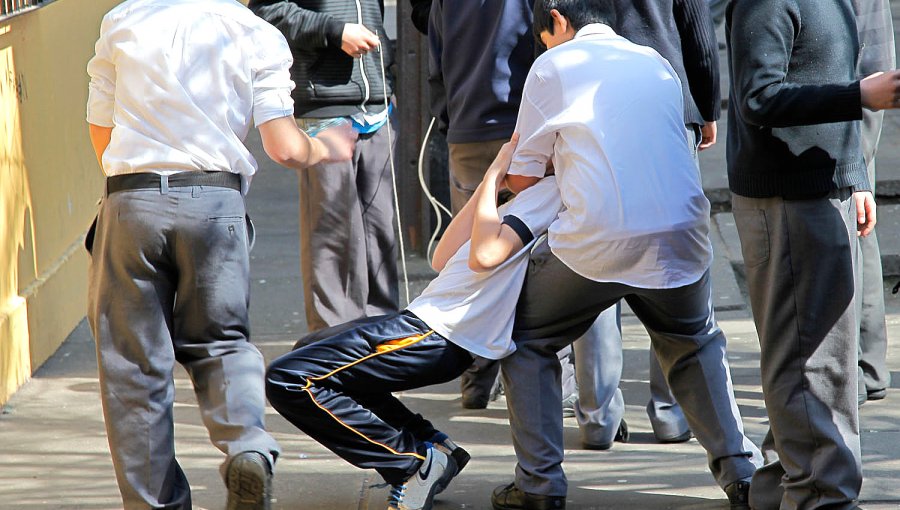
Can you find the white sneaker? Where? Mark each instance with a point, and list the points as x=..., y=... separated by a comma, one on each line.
x=417, y=493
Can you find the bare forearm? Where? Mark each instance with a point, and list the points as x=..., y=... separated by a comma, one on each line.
x=289, y=146
x=100, y=137
x=458, y=232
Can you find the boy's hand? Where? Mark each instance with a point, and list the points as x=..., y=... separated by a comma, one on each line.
x=357, y=40
x=865, y=212
x=881, y=91
x=497, y=170
x=339, y=142
x=708, y=135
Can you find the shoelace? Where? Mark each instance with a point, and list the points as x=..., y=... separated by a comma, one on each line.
x=396, y=495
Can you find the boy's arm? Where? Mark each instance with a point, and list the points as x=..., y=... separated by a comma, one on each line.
x=289, y=146
x=100, y=137
x=492, y=241
x=462, y=227
x=762, y=34
x=306, y=29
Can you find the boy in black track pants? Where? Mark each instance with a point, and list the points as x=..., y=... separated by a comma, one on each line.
x=339, y=389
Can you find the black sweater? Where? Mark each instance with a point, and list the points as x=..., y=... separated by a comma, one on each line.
x=329, y=83
x=794, y=98
x=680, y=31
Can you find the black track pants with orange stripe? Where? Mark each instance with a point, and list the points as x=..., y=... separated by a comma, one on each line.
x=338, y=390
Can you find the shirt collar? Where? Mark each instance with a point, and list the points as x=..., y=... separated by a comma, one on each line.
x=595, y=29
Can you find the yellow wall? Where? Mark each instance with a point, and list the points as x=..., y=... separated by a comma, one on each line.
x=49, y=181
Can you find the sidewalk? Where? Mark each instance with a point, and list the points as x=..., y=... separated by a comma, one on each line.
x=53, y=452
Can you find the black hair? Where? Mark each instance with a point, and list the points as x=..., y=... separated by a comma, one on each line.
x=578, y=12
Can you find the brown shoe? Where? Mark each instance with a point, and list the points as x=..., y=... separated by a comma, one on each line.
x=509, y=497
x=249, y=481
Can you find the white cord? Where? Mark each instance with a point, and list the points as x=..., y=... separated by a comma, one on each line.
x=394, y=174
x=435, y=204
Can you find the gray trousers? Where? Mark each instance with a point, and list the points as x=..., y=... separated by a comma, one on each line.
x=873, y=373
x=348, y=240
x=799, y=257
x=556, y=307
x=169, y=281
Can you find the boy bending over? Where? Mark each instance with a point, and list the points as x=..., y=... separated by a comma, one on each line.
x=339, y=390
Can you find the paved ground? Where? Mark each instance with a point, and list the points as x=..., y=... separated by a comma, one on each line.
x=53, y=452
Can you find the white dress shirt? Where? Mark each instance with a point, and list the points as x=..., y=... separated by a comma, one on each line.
x=610, y=115
x=180, y=82
x=476, y=310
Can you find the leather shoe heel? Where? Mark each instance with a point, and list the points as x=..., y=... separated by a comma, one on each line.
x=509, y=497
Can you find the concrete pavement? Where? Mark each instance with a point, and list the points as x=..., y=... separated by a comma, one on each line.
x=53, y=452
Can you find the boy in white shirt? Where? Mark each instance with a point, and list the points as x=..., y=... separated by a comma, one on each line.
x=175, y=87
x=609, y=115
x=338, y=389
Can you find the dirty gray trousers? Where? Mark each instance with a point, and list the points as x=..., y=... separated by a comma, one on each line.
x=799, y=257
x=169, y=282
x=556, y=306
x=348, y=239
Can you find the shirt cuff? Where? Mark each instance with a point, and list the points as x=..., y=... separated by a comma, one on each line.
x=519, y=227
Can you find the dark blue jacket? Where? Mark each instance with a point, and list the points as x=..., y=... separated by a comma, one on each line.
x=480, y=55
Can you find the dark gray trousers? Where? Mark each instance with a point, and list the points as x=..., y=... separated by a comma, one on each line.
x=799, y=258
x=348, y=239
x=556, y=306
x=169, y=281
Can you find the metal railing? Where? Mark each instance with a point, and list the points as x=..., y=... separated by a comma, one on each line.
x=8, y=7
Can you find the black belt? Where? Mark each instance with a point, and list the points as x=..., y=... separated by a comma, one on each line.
x=147, y=180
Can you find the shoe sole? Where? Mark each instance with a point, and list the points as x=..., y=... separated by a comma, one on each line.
x=247, y=485
x=449, y=472
x=461, y=457
x=876, y=395
x=682, y=438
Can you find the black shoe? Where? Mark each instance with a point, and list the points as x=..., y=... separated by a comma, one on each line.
x=680, y=438
x=469, y=402
x=622, y=436
x=876, y=394
x=739, y=494
x=249, y=481
x=509, y=497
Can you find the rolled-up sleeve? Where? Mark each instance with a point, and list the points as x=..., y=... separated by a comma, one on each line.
x=102, y=87
x=537, y=135
x=272, y=83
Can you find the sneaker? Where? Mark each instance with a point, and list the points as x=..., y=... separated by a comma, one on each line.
x=249, y=481
x=433, y=475
x=568, y=405
x=443, y=443
x=622, y=436
x=509, y=497
x=739, y=494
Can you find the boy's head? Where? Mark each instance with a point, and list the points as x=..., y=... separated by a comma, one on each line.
x=556, y=21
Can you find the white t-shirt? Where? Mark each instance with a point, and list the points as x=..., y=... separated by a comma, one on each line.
x=180, y=81
x=610, y=115
x=476, y=310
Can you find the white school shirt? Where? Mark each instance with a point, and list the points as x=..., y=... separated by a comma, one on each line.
x=476, y=310
x=610, y=115
x=180, y=81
